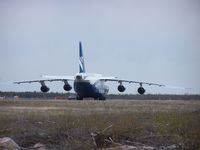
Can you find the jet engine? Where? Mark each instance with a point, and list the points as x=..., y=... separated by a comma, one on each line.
x=67, y=87
x=141, y=90
x=121, y=88
x=44, y=88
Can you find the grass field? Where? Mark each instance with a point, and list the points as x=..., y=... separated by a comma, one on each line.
x=62, y=124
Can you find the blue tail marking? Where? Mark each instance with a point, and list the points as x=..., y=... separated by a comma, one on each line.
x=81, y=60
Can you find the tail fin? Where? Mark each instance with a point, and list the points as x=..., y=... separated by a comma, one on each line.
x=81, y=60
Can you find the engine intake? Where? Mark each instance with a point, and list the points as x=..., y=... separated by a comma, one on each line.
x=44, y=89
x=67, y=87
x=121, y=88
x=141, y=90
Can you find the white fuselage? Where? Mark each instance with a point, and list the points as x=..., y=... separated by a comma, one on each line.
x=90, y=85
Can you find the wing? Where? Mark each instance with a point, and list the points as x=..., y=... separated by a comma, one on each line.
x=115, y=79
x=49, y=79
x=69, y=78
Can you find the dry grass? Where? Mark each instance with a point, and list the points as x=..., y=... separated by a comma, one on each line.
x=68, y=124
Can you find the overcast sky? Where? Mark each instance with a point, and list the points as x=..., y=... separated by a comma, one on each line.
x=155, y=41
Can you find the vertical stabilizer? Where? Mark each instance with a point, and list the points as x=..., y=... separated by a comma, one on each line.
x=81, y=60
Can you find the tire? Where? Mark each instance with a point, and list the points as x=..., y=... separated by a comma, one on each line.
x=102, y=98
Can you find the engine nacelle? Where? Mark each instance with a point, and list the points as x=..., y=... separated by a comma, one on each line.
x=141, y=90
x=44, y=88
x=121, y=88
x=67, y=87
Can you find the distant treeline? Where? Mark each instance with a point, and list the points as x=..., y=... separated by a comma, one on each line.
x=52, y=95
x=154, y=97
x=37, y=95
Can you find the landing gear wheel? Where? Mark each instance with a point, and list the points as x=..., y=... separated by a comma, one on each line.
x=102, y=98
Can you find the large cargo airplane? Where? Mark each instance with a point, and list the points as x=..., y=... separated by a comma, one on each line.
x=88, y=84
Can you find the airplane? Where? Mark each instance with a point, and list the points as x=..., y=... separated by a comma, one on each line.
x=88, y=85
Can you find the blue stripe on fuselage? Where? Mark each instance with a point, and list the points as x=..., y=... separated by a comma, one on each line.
x=85, y=89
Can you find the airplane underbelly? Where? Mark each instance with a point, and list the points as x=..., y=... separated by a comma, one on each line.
x=85, y=89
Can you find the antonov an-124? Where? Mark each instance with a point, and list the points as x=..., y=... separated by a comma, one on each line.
x=88, y=85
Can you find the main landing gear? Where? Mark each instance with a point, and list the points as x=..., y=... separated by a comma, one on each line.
x=101, y=98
